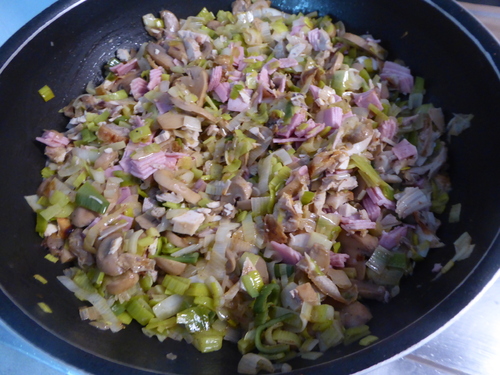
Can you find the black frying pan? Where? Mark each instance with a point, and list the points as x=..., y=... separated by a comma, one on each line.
x=68, y=45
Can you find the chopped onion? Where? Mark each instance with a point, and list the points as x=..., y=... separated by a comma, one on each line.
x=96, y=300
x=284, y=156
x=252, y=363
x=187, y=250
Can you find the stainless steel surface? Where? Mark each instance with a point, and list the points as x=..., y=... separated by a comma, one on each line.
x=470, y=344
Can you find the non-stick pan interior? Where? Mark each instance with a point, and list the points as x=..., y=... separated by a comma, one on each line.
x=71, y=50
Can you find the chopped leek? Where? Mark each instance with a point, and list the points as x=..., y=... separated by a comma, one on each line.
x=355, y=333
x=51, y=258
x=139, y=309
x=45, y=308
x=176, y=284
x=253, y=283
x=46, y=93
x=208, y=341
x=87, y=196
x=118, y=95
x=42, y=279
x=307, y=197
x=370, y=176
x=195, y=319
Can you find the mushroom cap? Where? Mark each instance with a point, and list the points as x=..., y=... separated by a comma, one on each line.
x=160, y=56
x=123, y=282
x=108, y=253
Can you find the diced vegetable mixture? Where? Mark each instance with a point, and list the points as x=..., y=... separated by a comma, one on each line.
x=250, y=176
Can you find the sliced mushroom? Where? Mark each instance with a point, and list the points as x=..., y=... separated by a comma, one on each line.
x=193, y=108
x=354, y=315
x=106, y=160
x=177, y=50
x=335, y=63
x=108, y=255
x=147, y=221
x=75, y=246
x=324, y=160
x=54, y=244
x=371, y=291
x=123, y=83
x=176, y=240
x=292, y=218
x=214, y=24
x=111, y=133
x=171, y=120
x=238, y=190
x=160, y=56
x=359, y=248
x=274, y=230
x=81, y=217
x=359, y=133
x=308, y=294
x=171, y=267
x=298, y=182
x=357, y=41
x=240, y=6
x=170, y=20
x=166, y=180
x=321, y=256
x=264, y=142
x=197, y=82
x=339, y=277
x=122, y=283
x=308, y=78
x=207, y=49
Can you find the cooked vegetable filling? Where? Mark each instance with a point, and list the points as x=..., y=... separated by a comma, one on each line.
x=251, y=176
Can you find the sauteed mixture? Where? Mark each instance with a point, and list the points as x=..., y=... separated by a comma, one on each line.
x=250, y=176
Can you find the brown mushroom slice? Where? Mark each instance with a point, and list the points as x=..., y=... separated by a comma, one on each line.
x=274, y=230
x=75, y=247
x=357, y=41
x=170, y=20
x=108, y=254
x=321, y=256
x=263, y=143
x=176, y=240
x=122, y=283
x=170, y=120
x=238, y=190
x=54, y=243
x=177, y=50
x=307, y=294
x=166, y=180
x=197, y=82
x=171, y=267
x=106, y=159
x=81, y=217
x=160, y=56
x=111, y=133
x=124, y=81
x=308, y=78
x=354, y=315
x=193, y=108
x=340, y=278
x=371, y=291
x=335, y=63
